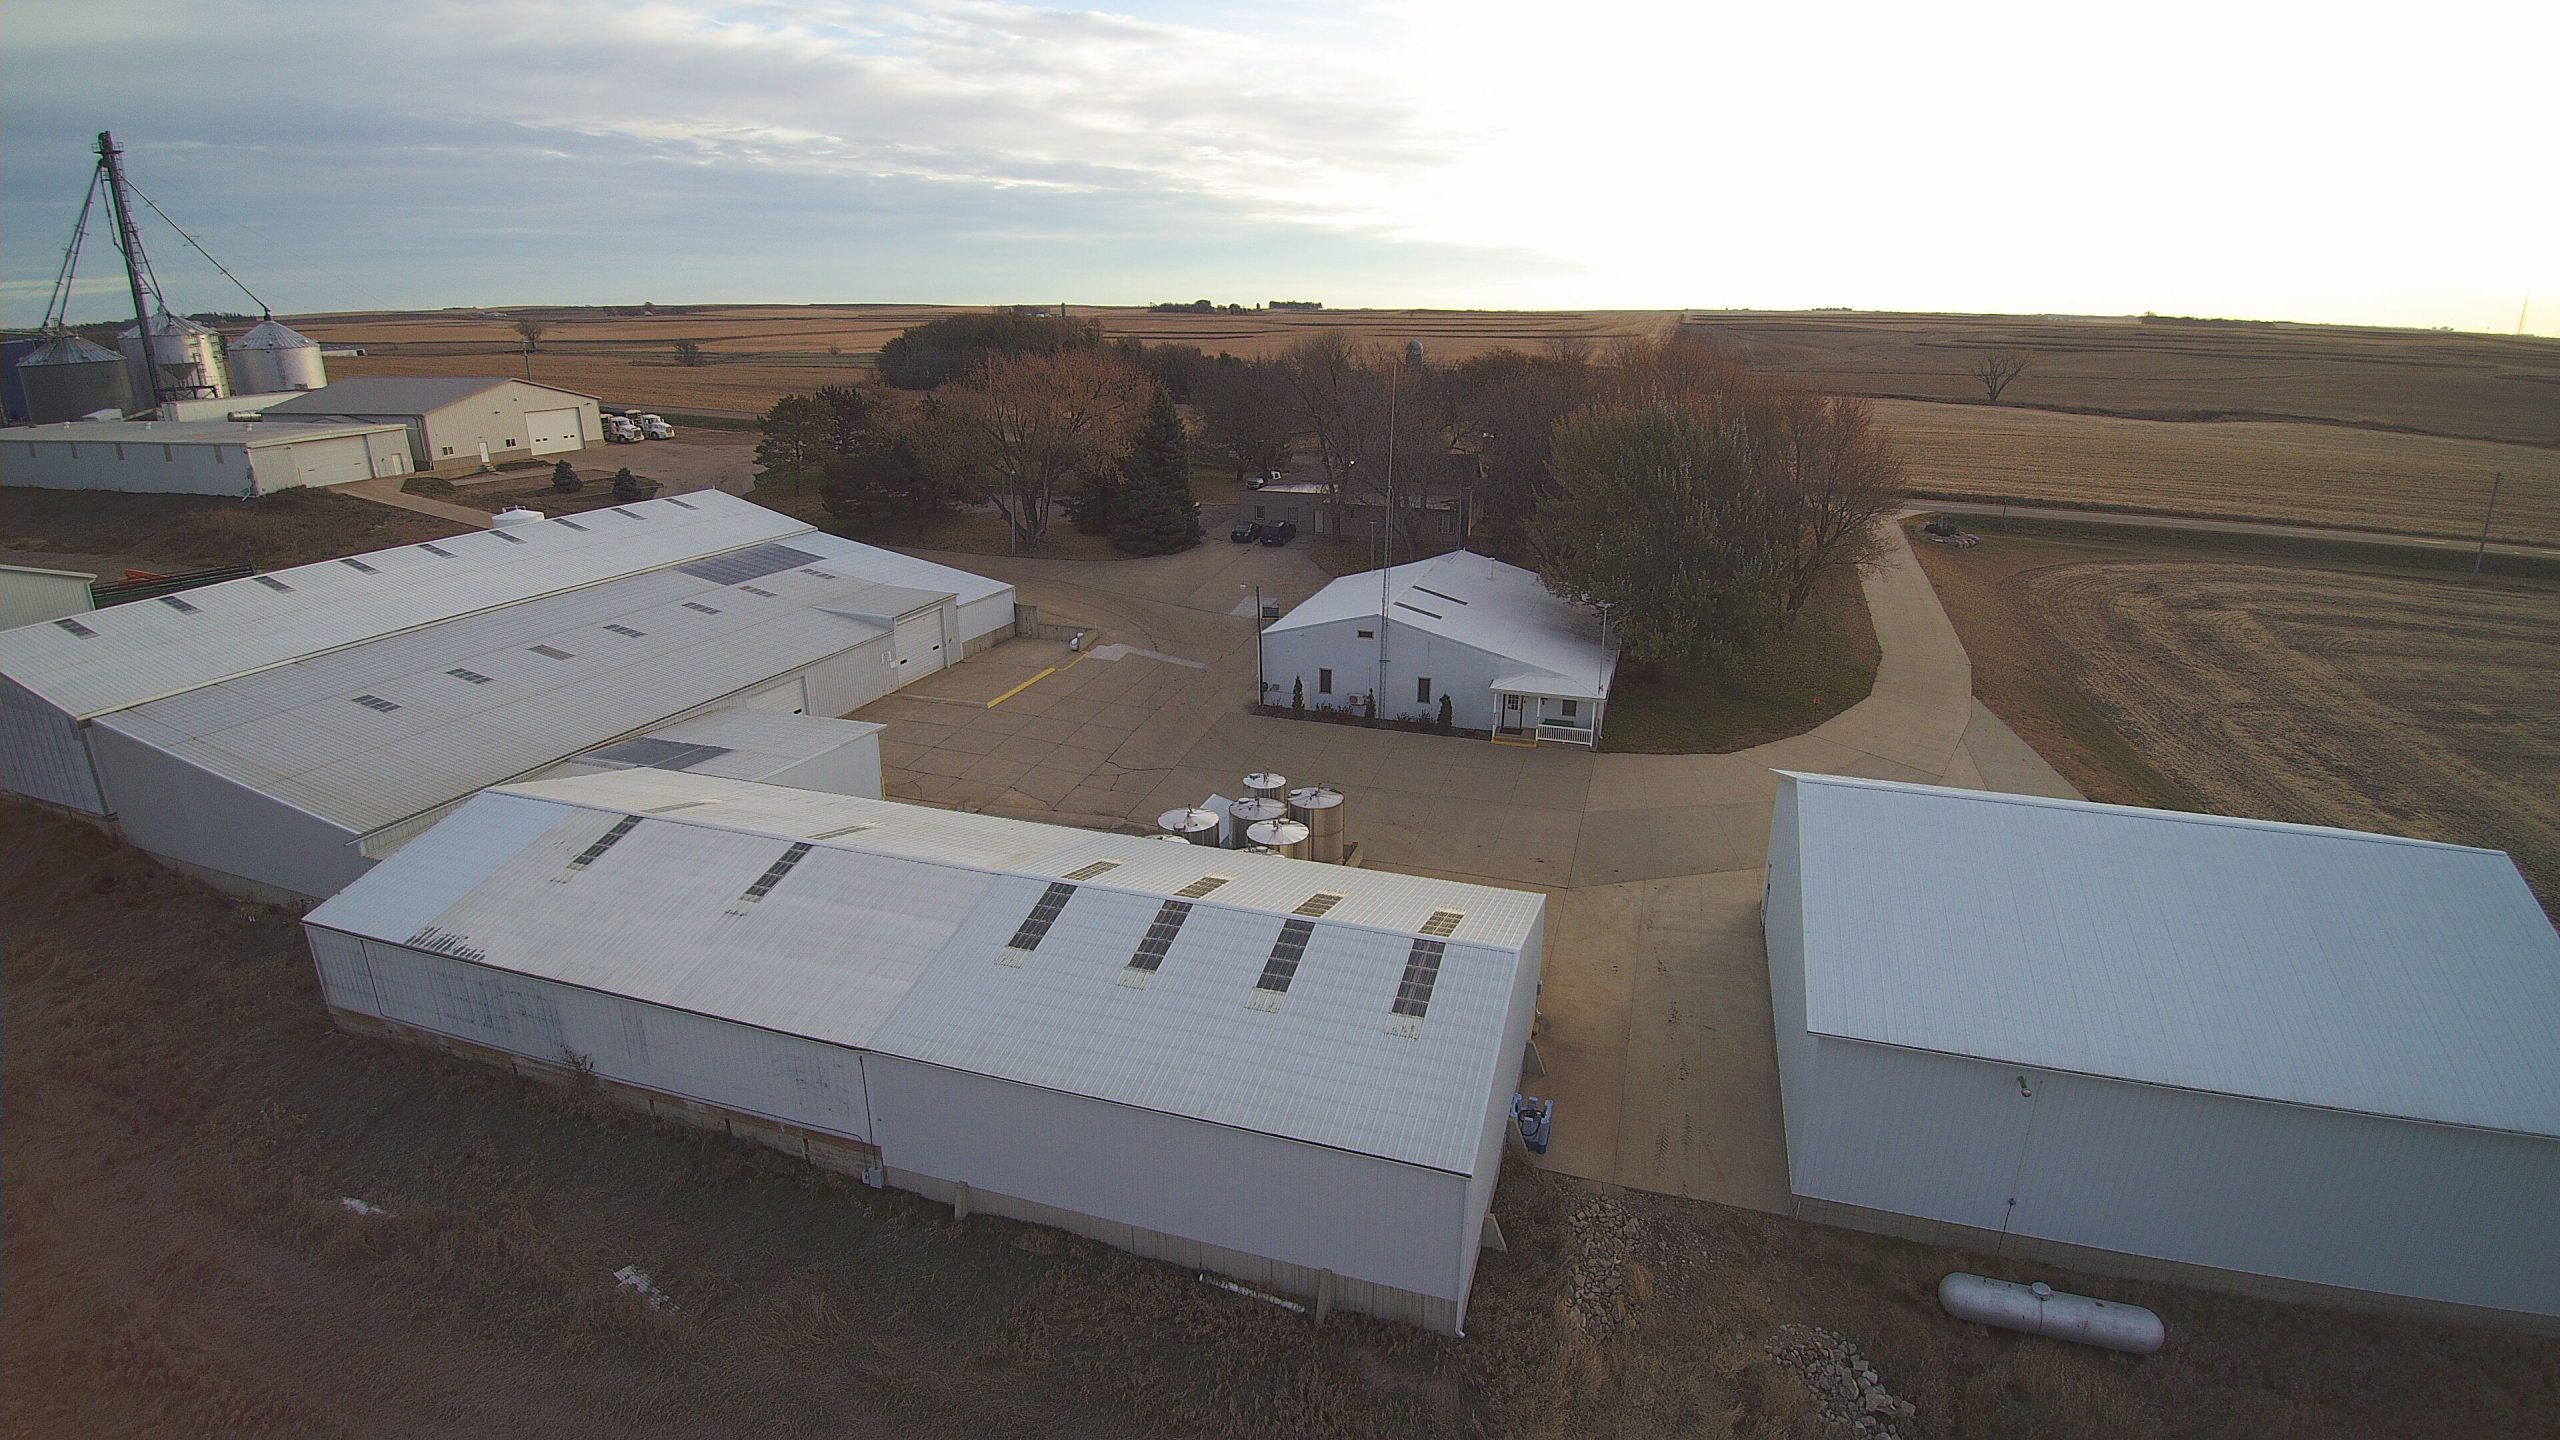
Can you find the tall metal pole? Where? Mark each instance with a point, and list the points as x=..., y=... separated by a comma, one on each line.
x=2485, y=521
x=111, y=160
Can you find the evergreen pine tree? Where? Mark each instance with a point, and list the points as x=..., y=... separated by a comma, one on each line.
x=1156, y=515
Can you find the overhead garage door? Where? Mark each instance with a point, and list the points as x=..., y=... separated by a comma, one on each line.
x=791, y=697
x=318, y=462
x=918, y=642
x=553, y=430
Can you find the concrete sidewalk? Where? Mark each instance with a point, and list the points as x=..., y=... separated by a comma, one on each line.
x=385, y=490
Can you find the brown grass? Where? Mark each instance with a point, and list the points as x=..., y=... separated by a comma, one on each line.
x=294, y=527
x=2313, y=474
x=182, y=1121
x=2358, y=696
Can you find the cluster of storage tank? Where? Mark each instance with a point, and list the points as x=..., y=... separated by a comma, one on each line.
x=67, y=378
x=1304, y=823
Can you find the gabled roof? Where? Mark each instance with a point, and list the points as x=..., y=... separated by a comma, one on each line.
x=2292, y=963
x=1480, y=602
x=138, y=652
x=401, y=394
x=892, y=933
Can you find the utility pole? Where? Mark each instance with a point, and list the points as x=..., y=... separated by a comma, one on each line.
x=111, y=163
x=2485, y=521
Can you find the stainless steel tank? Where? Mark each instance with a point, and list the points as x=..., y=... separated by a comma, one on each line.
x=1281, y=837
x=1191, y=823
x=1266, y=785
x=1243, y=815
x=1320, y=809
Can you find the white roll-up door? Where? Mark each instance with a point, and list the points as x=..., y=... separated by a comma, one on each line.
x=341, y=461
x=550, y=431
x=919, y=643
x=791, y=697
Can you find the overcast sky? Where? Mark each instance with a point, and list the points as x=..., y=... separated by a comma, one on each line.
x=2381, y=164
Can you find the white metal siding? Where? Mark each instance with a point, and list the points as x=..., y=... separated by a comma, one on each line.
x=918, y=642
x=849, y=769
x=782, y=1077
x=179, y=812
x=139, y=467
x=1461, y=672
x=1506, y=1083
x=42, y=754
x=988, y=614
x=340, y=461
x=1303, y=1205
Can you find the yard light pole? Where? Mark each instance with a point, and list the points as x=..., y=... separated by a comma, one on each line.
x=1259, y=683
x=2485, y=521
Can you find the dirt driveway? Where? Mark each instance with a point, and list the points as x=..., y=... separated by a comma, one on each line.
x=1657, y=1033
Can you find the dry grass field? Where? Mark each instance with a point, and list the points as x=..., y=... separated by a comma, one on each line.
x=183, y=1122
x=2252, y=470
x=2354, y=696
x=2486, y=387
x=291, y=527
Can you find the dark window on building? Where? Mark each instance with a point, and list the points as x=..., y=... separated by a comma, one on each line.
x=1572, y=708
x=1324, y=682
x=1422, y=690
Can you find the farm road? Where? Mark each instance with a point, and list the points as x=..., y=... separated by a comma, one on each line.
x=2328, y=533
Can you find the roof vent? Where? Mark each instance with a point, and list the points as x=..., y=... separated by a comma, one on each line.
x=705, y=609
x=273, y=583
x=556, y=654
x=181, y=606
x=474, y=676
x=376, y=702
x=627, y=630
x=358, y=566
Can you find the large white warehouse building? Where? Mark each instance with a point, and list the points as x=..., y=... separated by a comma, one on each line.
x=2311, y=1060
x=1296, y=1074
x=200, y=457
x=279, y=734
x=458, y=420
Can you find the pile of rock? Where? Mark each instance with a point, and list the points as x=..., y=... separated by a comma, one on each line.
x=1851, y=1395
x=1605, y=1235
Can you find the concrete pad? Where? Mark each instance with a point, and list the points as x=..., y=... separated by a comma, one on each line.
x=1629, y=845
x=996, y=770
x=947, y=763
x=972, y=742
x=2007, y=763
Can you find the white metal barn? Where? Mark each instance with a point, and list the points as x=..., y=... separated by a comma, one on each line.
x=1512, y=657
x=279, y=734
x=2311, y=1060
x=199, y=457
x=451, y=420
x=1295, y=1074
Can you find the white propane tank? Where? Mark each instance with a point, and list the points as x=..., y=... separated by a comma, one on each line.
x=513, y=516
x=2039, y=1309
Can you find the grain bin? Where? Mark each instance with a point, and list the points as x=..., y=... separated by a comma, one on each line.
x=1243, y=815
x=1320, y=809
x=185, y=360
x=274, y=357
x=1281, y=837
x=1265, y=785
x=67, y=377
x=1191, y=823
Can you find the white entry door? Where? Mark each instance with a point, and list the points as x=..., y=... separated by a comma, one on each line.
x=551, y=431
x=918, y=642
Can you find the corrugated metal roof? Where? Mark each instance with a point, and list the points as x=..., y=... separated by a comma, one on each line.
x=1478, y=601
x=2282, y=962
x=402, y=394
x=749, y=744
x=892, y=935
x=141, y=652
x=255, y=434
x=554, y=678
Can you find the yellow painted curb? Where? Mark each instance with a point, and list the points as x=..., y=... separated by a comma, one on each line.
x=1025, y=685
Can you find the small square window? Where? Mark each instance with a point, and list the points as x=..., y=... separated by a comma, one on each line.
x=1572, y=708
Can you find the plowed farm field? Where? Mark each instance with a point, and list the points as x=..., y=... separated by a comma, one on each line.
x=2368, y=701
x=2309, y=474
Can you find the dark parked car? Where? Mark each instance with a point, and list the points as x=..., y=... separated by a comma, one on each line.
x=1245, y=533
x=1279, y=532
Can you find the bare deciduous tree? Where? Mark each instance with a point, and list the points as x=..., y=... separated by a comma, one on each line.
x=532, y=331
x=1024, y=428
x=1836, y=476
x=1996, y=368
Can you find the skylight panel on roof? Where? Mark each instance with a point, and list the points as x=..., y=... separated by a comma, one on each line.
x=627, y=630
x=604, y=842
x=474, y=676
x=1035, y=926
x=753, y=563
x=1413, y=992
x=181, y=606
x=1443, y=923
x=565, y=520
x=839, y=830
x=509, y=536
x=1098, y=867
x=681, y=504
x=753, y=590
x=1282, y=967
x=821, y=574
x=436, y=550
x=773, y=874
x=358, y=566
x=1418, y=610
x=1436, y=595
x=1159, y=937
x=1318, y=903
x=1202, y=886
x=273, y=583
x=76, y=628
x=628, y=514
x=705, y=609
x=552, y=651
x=376, y=702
